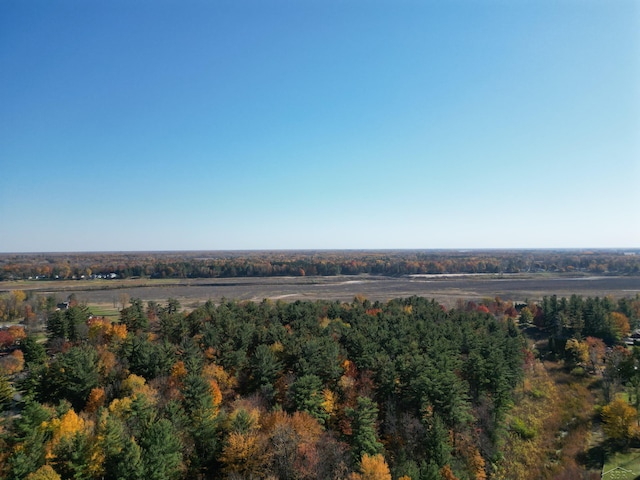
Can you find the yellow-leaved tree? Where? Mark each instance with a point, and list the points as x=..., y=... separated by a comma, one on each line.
x=620, y=420
x=135, y=385
x=329, y=402
x=372, y=467
x=245, y=454
x=64, y=428
x=45, y=472
x=578, y=351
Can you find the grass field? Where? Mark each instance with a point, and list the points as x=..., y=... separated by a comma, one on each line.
x=103, y=311
x=622, y=466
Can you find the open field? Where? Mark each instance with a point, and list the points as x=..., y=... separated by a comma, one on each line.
x=622, y=466
x=100, y=310
x=443, y=288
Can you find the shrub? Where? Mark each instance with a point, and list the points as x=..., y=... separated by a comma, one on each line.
x=578, y=372
x=521, y=429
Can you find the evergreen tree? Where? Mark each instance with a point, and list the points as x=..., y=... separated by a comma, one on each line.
x=364, y=439
x=6, y=392
x=127, y=464
x=438, y=450
x=207, y=446
x=134, y=316
x=265, y=367
x=34, y=352
x=73, y=375
x=56, y=326
x=161, y=455
x=31, y=438
x=72, y=457
x=76, y=322
x=146, y=358
x=196, y=393
x=306, y=396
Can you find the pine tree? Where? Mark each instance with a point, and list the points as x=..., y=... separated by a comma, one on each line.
x=72, y=457
x=56, y=325
x=306, y=395
x=30, y=438
x=265, y=367
x=128, y=463
x=34, y=353
x=161, y=453
x=363, y=423
x=6, y=393
x=73, y=375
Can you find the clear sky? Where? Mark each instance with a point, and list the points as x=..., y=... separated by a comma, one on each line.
x=312, y=124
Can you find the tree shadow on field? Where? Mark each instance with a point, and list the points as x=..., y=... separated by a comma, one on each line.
x=594, y=458
x=596, y=385
x=535, y=334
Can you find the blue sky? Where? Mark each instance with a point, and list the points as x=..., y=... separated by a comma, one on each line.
x=139, y=125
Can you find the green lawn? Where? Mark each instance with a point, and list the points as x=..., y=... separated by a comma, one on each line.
x=102, y=311
x=622, y=466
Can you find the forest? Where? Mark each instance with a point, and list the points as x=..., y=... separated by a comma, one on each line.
x=325, y=389
x=49, y=266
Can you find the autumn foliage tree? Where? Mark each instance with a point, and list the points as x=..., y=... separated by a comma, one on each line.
x=577, y=351
x=46, y=472
x=245, y=454
x=373, y=467
x=12, y=363
x=620, y=421
x=620, y=324
x=6, y=339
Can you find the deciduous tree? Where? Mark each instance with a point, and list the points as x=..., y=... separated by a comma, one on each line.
x=620, y=420
x=577, y=351
x=245, y=454
x=374, y=467
x=46, y=472
x=620, y=324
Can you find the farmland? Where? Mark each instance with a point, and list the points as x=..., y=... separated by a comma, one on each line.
x=446, y=289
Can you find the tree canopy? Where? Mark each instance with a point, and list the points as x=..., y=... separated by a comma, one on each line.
x=293, y=390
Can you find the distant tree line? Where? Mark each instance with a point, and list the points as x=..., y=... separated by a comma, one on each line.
x=324, y=263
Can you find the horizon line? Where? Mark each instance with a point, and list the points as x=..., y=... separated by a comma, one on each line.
x=302, y=250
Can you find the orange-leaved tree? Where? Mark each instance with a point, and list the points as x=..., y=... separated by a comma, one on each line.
x=619, y=324
x=447, y=474
x=372, y=467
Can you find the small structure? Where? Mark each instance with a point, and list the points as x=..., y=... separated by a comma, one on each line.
x=617, y=472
